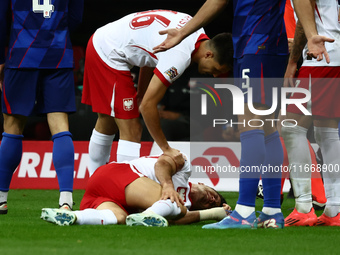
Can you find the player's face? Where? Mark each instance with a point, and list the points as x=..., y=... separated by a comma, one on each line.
x=212, y=67
x=205, y=198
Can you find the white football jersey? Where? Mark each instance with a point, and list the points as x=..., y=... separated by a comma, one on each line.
x=327, y=24
x=146, y=165
x=128, y=42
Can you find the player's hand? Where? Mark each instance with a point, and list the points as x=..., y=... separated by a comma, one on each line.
x=168, y=192
x=176, y=156
x=290, y=75
x=174, y=37
x=227, y=209
x=2, y=70
x=316, y=47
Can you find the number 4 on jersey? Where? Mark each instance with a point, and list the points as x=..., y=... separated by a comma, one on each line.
x=46, y=8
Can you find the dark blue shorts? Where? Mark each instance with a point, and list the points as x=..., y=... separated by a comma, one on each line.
x=36, y=91
x=262, y=73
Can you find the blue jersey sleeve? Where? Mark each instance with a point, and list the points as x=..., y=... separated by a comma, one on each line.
x=4, y=7
x=75, y=12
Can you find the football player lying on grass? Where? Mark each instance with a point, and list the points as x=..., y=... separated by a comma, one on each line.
x=116, y=192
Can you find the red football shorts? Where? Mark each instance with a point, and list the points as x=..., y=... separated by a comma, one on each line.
x=323, y=83
x=107, y=184
x=107, y=90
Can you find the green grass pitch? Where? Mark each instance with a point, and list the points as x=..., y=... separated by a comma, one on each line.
x=23, y=232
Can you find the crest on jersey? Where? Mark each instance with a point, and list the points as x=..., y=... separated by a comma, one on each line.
x=182, y=191
x=128, y=104
x=172, y=73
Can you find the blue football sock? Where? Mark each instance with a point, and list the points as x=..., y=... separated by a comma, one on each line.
x=63, y=159
x=271, y=176
x=252, y=156
x=10, y=156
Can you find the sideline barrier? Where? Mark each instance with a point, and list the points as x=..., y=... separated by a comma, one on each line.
x=36, y=170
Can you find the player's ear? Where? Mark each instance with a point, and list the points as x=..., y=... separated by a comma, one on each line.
x=209, y=54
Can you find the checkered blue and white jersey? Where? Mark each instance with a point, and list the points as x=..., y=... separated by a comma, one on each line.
x=39, y=36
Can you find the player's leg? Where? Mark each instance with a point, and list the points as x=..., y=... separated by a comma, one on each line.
x=318, y=190
x=56, y=98
x=252, y=148
x=252, y=156
x=323, y=105
x=271, y=216
x=126, y=114
x=130, y=132
x=18, y=100
x=63, y=155
x=107, y=213
x=326, y=135
x=143, y=193
x=98, y=87
x=101, y=141
x=112, y=93
x=10, y=154
x=296, y=142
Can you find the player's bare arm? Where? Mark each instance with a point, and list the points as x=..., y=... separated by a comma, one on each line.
x=149, y=111
x=300, y=41
x=216, y=213
x=165, y=168
x=145, y=75
x=209, y=10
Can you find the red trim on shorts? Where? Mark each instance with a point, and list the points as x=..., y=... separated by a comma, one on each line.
x=8, y=107
x=161, y=77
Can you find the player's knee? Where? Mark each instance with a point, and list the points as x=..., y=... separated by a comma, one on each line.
x=290, y=131
x=121, y=217
x=177, y=211
x=132, y=134
x=138, y=132
x=324, y=135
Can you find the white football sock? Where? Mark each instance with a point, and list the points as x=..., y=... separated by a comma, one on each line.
x=95, y=217
x=295, y=138
x=328, y=140
x=165, y=208
x=66, y=197
x=127, y=150
x=244, y=210
x=3, y=196
x=99, y=150
x=271, y=210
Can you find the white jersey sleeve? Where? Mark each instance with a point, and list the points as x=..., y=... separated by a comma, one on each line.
x=129, y=41
x=146, y=166
x=327, y=24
